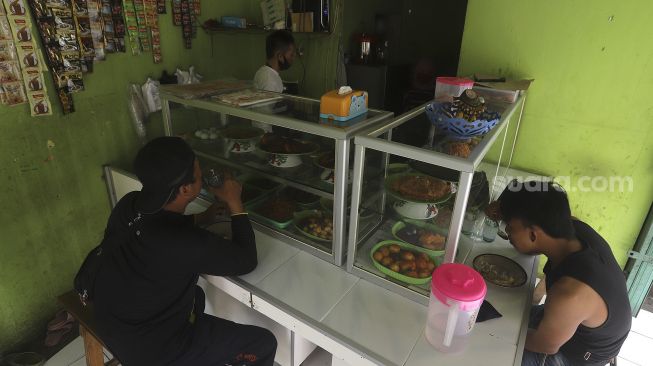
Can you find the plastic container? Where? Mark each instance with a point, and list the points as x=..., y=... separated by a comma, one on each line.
x=451, y=86
x=457, y=292
x=490, y=230
x=24, y=359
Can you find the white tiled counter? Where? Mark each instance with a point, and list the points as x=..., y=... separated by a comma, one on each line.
x=360, y=323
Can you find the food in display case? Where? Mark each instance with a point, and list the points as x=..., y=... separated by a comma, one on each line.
x=466, y=117
x=285, y=152
x=277, y=144
x=327, y=160
x=418, y=196
x=207, y=134
x=419, y=187
x=444, y=217
x=421, y=234
x=276, y=210
x=397, y=260
x=241, y=139
x=315, y=225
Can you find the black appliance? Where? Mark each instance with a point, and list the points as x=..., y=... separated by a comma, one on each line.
x=321, y=10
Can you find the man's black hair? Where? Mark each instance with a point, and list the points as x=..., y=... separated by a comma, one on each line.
x=539, y=203
x=278, y=41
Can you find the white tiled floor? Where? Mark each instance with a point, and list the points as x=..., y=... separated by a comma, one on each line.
x=635, y=352
x=639, y=345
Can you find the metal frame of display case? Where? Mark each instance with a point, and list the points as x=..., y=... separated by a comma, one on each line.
x=343, y=137
x=466, y=166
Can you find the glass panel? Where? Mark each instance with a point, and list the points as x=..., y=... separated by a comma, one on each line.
x=406, y=211
x=306, y=110
x=454, y=139
x=239, y=144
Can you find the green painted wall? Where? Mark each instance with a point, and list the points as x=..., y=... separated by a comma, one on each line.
x=589, y=111
x=54, y=212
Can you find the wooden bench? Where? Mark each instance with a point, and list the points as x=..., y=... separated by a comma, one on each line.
x=93, y=346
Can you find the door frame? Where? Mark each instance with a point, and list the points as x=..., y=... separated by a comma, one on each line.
x=639, y=268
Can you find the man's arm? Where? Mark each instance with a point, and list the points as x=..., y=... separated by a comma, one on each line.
x=567, y=306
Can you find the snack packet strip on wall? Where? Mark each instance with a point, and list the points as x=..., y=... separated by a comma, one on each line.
x=143, y=35
x=28, y=58
x=118, y=25
x=97, y=28
x=55, y=24
x=131, y=24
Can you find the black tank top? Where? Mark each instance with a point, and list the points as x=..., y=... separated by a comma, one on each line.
x=595, y=266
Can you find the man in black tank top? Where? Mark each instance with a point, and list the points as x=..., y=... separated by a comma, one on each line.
x=586, y=317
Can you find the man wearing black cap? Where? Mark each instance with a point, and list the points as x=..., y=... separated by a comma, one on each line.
x=148, y=306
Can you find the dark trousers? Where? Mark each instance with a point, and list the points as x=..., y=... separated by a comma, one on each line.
x=222, y=342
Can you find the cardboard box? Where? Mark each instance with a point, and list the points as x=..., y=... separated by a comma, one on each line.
x=302, y=22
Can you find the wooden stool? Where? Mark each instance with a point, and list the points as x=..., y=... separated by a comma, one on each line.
x=84, y=314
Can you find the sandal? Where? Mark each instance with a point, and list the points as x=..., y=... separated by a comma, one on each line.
x=61, y=319
x=53, y=337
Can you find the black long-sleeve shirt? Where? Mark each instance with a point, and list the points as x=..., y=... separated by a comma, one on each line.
x=145, y=289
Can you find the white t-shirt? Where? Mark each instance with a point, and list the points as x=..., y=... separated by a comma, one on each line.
x=267, y=78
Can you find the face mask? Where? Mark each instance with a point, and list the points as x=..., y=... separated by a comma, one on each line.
x=284, y=64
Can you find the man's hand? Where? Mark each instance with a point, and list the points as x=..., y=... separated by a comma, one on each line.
x=493, y=211
x=229, y=192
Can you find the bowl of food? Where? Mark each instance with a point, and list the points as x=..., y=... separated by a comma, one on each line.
x=315, y=224
x=327, y=161
x=207, y=135
x=499, y=270
x=425, y=236
x=466, y=117
x=285, y=152
x=418, y=196
x=241, y=139
x=275, y=211
x=400, y=261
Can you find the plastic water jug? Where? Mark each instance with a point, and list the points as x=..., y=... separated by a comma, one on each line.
x=457, y=292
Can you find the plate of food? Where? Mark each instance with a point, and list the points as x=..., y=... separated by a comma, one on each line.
x=427, y=237
x=327, y=161
x=499, y=270
x=418, y=196
x=276, y=211
x=241, y=139
x=315, y=224
x=285, y=152
x=400, y=261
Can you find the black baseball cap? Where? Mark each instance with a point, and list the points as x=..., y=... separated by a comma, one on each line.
x=161, y=165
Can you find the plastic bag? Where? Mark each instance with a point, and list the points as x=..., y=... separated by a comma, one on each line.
x=137, y=111
x=188, y=77
x=151, y=95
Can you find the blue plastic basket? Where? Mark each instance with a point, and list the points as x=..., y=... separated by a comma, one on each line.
x=460, y=128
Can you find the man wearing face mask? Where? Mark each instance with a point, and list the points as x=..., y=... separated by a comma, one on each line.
x=280, y=53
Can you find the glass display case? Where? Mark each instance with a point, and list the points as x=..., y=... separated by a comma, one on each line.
x=294, y=165
x=431, y=196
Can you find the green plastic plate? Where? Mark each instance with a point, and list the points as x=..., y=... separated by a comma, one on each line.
x=398, y=276
x=422, y=225
x=303, y=215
